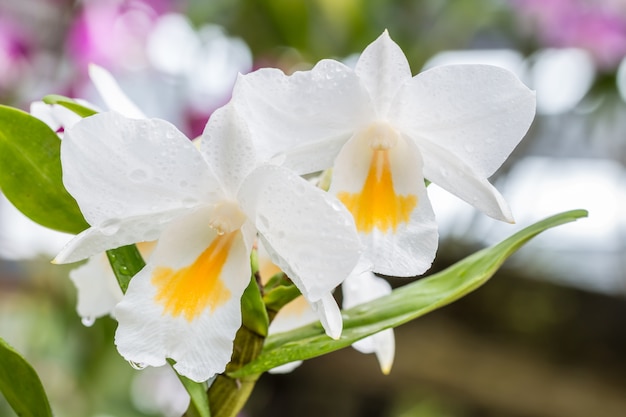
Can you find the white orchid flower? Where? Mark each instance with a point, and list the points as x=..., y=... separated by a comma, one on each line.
x=384, y=131
x=141, y=179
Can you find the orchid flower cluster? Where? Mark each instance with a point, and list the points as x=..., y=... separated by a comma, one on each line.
x=242, y=201
x=380, y=130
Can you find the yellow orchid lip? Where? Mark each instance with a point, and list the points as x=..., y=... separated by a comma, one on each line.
x=188, y=291
x=377, y=205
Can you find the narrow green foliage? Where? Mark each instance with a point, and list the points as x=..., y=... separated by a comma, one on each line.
x=402, y=305
x=279, y=292
x=199, y=401
x=31, y=172
x=254, y=314
x=69, y=104
x=20, y=384
x=126, y=261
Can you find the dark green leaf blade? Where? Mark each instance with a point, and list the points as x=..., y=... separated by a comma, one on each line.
x=20, y=384
x=404, y=304
x=30, y=172
x=253, y=312
x=126, y=262
x=199, y=400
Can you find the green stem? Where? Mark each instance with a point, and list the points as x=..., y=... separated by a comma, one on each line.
x=227, y=395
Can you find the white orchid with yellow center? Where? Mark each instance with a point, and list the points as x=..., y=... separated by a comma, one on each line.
x=384, y=131
x=138, y=180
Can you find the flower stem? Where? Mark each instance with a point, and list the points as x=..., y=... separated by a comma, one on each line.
x=227, y=395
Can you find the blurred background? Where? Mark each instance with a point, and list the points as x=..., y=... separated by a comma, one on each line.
x=544, y=338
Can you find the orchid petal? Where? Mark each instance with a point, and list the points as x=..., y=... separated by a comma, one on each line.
x=383, y=345
x=161, y=318
x=228, y=149
x=97, y=289
x=114, y=233
x=113, y=96
x=307, y=233
x=450, y=173
x=313, y=109
x=55, y=116
x=383, y=67
x=286, y=368
x=360, y=288
x=119, y=168
x=478, y=113
x=329, y=314
x=385, y=191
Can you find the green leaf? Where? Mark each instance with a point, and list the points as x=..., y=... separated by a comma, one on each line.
x=199, y=400
x=253, y=312
x=279, y=292
x=402, y=305
x=125, y=261
x=69, y=104
x=20, y=384
x=31, y=172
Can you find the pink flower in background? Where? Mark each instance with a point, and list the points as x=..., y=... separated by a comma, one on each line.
x=15, y=51
x=114, y=33
x=599, y=27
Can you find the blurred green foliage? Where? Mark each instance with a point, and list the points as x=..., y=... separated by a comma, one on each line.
x=317, y=29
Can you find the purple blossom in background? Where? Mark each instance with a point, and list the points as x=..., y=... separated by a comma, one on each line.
x=15, y=52
x=598, y=27
x=113, y=33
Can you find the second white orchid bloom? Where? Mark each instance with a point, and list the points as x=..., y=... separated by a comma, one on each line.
x=141, y=180
x=384, y=131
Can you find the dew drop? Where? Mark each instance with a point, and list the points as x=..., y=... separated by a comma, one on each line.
x=138, y=175
x=137, y=365
x=110, y=227
x=88, y=321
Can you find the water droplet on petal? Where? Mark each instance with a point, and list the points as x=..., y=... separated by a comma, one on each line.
x=110, y=227
x=137, y=365
x=138, y=175
x=88, y=321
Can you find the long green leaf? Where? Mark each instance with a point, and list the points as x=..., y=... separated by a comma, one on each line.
x=199, y=401
x=20, y=384
x=403, y=305
x=126, y=262
x=69, y=104
x=253, y=312
x=30, y=172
